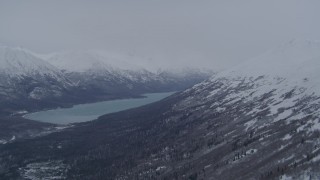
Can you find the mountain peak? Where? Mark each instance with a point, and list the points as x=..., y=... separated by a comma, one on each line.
x=15, y=60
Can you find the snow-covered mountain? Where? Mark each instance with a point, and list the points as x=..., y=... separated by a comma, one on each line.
x=28, y=79
x=95, y=63
x=98, y=60
x=18, y=62
x=286, y=78
x=259, y=120
x=104, y=71
x=25, y=78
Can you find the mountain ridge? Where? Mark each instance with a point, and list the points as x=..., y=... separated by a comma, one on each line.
x=26, y=77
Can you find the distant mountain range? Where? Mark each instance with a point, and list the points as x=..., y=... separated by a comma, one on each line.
x=29, y=81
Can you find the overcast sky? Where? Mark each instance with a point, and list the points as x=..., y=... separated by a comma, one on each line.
x=211, y=33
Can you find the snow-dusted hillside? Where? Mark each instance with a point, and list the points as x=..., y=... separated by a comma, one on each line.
x=24, y=77
x=259, y=120
x=287, y=77
x=269, y=107
x=19, y=62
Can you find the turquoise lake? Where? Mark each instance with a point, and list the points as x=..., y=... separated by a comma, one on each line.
x=87, y=112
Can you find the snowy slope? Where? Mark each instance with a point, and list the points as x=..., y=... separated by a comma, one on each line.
x=287, y=77
x=290, y=73
x=17, y=61
x=25, y=78
x=275, y=96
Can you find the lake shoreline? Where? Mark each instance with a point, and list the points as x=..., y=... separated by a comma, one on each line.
x=71, y=106
x=89, y=111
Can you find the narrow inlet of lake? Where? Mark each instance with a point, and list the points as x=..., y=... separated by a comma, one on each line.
x=87, y=112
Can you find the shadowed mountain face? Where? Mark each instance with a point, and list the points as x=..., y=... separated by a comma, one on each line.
x=240, y=124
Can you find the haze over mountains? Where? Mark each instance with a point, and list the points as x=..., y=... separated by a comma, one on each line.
x=30, y=81
x=93, y=59
x=259, y=120
x=234, y=90
x=207, y=33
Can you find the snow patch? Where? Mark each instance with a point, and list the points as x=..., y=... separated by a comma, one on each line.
x=287, y=137
x=2, y=141
x=285, y=177
x=317, y=158
x=44, y=170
